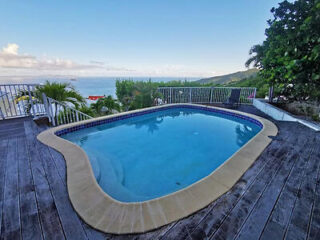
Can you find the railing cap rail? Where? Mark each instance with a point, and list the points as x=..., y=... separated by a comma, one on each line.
x=21, y=84
x=209, y=87
x=65, y=105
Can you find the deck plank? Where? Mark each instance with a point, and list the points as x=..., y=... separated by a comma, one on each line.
x=69, y=219
x=11, y=212
x=299, y=222
x=314, y=227
x=55, y=167
x=30, y=220
x=3, y=158
x=281, y=213
x=271, y=195
x=50, y=222
x=231, y=221
x=255, y=223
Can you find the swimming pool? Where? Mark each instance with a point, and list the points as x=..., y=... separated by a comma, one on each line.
x=152, y=155
x=136, y=171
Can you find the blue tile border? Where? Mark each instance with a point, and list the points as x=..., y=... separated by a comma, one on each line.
x=130, y=115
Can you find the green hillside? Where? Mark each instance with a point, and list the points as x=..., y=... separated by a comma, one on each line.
x=254, y=81
x=229, y=78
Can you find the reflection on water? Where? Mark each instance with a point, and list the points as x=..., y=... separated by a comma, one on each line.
x=244, y=133
x=153, y=123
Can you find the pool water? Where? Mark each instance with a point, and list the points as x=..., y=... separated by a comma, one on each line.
x=152, y=155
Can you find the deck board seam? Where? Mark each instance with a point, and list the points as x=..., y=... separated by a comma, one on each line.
x=61, y=178
x=313, y=203
x=214, y=204
x=49, y=185
x=273, y=175
x=273, y=160
x=295, y=201
x=34, y=141
x=44, y=147
x=35, y=193
x=266, y=162
x=18, y=190
x=284, y=185
x=4, y=180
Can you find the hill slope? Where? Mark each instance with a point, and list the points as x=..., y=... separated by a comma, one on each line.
x=233, y=77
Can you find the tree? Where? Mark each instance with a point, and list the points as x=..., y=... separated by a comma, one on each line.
x=136, y=94
x=105, y=106
x=289, y=58
x=124, y=92
x=62, y=92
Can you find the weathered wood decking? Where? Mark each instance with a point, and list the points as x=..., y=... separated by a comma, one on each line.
x=278, y=197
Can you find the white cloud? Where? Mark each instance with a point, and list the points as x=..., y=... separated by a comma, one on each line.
x=12, y=63
x=10, y=58
x=12, y=48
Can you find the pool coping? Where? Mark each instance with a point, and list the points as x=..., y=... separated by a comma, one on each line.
x=106, y=214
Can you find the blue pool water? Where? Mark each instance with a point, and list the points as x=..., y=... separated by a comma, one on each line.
x=152, y=155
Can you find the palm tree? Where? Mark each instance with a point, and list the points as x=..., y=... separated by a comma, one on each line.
x=61, y=92
x=106, y=106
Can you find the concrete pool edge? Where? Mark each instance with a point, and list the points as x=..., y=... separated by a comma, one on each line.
x=104, y=213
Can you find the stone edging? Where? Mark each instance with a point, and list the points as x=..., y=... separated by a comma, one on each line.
x=106, y=214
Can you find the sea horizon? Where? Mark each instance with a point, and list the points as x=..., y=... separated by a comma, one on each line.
x=90, y=86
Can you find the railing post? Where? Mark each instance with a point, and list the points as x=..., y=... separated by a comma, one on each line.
x=1, y=114
x=52, y=115
x=31, y=101
x=45, y=103
x=77, y=116
x=170, y=94
x=190, y=96
x=211, y=94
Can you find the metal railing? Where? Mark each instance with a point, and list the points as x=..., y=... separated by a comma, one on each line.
x=21, y=100
x=60, y=113
x=18, y=100
x=204, y=94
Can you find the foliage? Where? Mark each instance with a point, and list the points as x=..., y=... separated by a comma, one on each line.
x=257, y=82
x=62, y=92
x=182, y=84
x=87, y=110
x=140, y=94
x=136, y=94
x=104, y=106
x=289, y=58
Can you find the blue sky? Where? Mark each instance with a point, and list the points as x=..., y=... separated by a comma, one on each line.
x=129, y=37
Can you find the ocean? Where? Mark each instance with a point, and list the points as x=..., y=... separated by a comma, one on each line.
x=96, y=86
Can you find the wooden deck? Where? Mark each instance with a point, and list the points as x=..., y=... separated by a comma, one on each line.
x=278, y=197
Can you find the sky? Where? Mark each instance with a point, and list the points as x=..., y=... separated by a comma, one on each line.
x=167, y=38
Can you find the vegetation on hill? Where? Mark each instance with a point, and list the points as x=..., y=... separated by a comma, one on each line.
x=229, y=78
x=256, y=81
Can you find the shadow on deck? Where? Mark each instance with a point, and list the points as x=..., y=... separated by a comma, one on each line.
x=278, y=197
